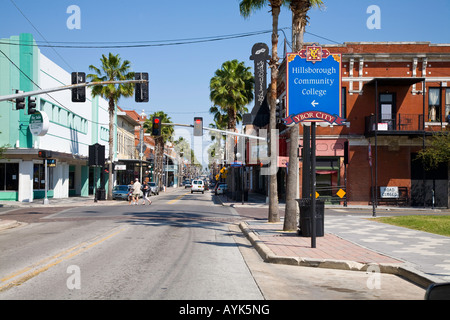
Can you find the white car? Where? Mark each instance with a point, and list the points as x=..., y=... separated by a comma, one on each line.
x=221, y=188
x=198, y=186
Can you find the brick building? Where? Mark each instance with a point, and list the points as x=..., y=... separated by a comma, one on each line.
x=389, y=117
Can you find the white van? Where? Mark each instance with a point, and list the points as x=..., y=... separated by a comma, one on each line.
x=198, y=185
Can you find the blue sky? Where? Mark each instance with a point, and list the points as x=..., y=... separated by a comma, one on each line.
x=180, y=74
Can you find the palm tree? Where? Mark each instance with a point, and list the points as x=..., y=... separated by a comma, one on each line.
x=167, y=133
x=300, y=19
x=246, y=7
x=221, y=118
x=231, y=90
x=112, y=69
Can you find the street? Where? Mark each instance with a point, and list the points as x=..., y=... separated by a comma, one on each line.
x=183, y=246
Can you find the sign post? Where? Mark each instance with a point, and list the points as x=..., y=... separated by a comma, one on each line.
x=313, y=78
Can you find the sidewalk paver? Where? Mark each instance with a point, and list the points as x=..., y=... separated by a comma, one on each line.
x=329, y=246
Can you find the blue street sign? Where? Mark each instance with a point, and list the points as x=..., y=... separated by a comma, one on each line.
x=313, y=86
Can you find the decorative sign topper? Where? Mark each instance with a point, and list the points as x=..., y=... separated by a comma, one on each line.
x=313, y=78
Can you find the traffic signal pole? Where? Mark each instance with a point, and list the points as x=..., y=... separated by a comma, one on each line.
x=72, y=86
x=217, y=130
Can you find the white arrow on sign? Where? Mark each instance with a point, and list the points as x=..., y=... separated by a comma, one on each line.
x=314, y=103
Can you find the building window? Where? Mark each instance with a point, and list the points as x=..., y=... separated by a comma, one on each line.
x=64, y=117
x=39, y=177
x=434, y=105
x=104, y=134
x=447, y=105
x=9, y=176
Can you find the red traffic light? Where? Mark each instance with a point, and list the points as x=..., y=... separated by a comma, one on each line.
x=156, y=126
x=198, y=126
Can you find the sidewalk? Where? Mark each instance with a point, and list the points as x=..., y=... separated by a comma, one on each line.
x=350, y=242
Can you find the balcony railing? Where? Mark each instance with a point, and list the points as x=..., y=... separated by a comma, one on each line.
x=403, y=123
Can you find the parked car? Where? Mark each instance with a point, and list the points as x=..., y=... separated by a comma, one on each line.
x=120, y=192
x=187, y=184
x=198, y=186
x=221, y=188
x=153, y=187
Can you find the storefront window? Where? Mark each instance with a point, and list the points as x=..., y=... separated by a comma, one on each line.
x=39, y=177
x=9, y=176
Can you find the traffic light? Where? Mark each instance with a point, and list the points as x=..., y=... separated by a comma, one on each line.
x=20, y=102
x=78, y=94
x=156, y=126
x=198, y=126
x=44, y=154
x=280, y=110
x=141, y=91
x=51, y=162
x=31, y=105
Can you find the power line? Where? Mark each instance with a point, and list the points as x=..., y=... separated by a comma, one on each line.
x=161, y=41
x=145, y=43
x=15, y=5
x=54, y=99
x=316, y=35
x=140, y=44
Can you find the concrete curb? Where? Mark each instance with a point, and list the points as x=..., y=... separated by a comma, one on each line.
x=404, y=271
x=9, y=224
x=87, y=202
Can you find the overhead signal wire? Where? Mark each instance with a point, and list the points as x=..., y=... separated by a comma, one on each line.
x=140, y=44
x=34, y=27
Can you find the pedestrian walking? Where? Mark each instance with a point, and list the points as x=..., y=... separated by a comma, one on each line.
x=130, y=192
x=146, y=193
x=136, y=191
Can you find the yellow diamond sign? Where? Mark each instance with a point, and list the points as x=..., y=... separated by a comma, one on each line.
x=341, y=193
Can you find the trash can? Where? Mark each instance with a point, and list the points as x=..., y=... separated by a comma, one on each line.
x=101, y=194
x=305, y=222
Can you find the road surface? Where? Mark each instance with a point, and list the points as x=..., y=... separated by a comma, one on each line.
x=183, y=246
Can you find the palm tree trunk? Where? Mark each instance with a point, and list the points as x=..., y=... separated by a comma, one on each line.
x=274, y=215
x=299, y=9
x=111, y=147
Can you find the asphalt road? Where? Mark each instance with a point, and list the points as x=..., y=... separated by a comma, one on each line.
x=183, y=246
